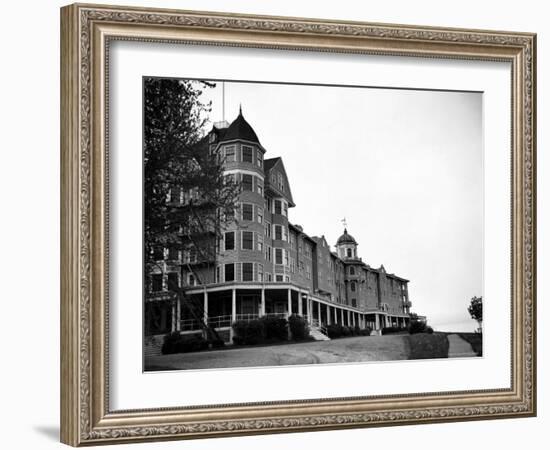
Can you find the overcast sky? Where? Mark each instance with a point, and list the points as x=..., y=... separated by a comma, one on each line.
x=403, y=167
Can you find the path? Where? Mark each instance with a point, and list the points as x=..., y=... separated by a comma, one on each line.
x=356, y=349
x=459, y=348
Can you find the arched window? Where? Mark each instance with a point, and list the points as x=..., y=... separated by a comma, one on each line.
x=349, y=252
x=352, y=270
x=353, y=286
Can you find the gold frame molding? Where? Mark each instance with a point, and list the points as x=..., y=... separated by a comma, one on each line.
x=86, y=31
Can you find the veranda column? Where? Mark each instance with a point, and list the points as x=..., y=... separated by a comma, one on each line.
x=205, y=307
x=178, y=314
x=319, y=313
x=173, y=317
x=308, y=309
x=300, y=305
x=262, y=304
x=289, y=310
x=233, y=313
x=349, y=318
x=377, y=319
x=335, y=315
x=342, y=316
x=329, y=319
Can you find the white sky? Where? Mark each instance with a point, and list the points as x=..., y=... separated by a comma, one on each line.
x=403, y=167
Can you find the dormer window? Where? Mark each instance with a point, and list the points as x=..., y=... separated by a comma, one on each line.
x=349, y=252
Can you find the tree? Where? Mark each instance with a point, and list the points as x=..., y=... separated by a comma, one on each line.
x=187, y=200
x=476, y=310
x=177, y=162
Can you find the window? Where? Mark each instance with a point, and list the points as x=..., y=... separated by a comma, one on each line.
x=352, y=270
x=286, y=257
x=354, y=302
x=278, y=206
x=292, y=241
x=173, y=253
x=191, y=279
x=218, y=278
x=260, y=215
x=158, y=253
x=268, y=229
x=260, y=272
x=353, y=286
x=278, y=232
x=248, y=271
x=292, y=265
x=247, y=154
x=230, y=154
x=349, y=252
x=307, y=249
x=230, y=240
x=260, y=244
x=248, y=211
x=247, y=182
x=279, y=278
x=193, y=255
x=308, y=272
x=280, y=183
x=268, y=252
x=248, y=240
x=259, y=158
x=269, y=204
x=278, y=256
x=230, y=272
x=269, y=277
x=173, y=280
x=285, y=209
x=156, y=282
x=260, y=186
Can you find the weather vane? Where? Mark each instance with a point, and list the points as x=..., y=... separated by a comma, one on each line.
x=344, y=222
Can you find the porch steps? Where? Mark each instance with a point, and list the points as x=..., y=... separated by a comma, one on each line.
x=316, y=334
x=153, y=345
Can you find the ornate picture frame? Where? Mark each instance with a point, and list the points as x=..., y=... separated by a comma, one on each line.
x=86, y=33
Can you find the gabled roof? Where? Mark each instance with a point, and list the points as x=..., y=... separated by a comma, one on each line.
x=277, y=163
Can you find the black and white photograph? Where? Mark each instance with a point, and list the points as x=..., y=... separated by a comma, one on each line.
x=294, y=224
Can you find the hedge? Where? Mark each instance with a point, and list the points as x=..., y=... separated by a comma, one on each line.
x=182, y=343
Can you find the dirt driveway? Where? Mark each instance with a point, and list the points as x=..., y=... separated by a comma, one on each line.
x=356, y=349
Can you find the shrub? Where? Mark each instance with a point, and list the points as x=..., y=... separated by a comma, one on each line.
x=249, y=332
x=356, y=330
x=334, y=330
x=365, y=331
x=346, y=331
x=275, y=328
x=417, y=326
x=391, y=330
x=217, y=343
x=181, y=343
x=298, y=327
x=429, y=330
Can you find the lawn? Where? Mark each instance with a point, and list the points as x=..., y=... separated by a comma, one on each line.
x=428, y=346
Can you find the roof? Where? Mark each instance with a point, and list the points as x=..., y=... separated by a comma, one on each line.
x=240, y=129
x=346, y=238
x=269, y=163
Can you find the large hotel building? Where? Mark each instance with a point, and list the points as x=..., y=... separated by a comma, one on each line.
x=267, y=265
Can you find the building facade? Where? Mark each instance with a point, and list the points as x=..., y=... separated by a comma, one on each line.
x=265, y=264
